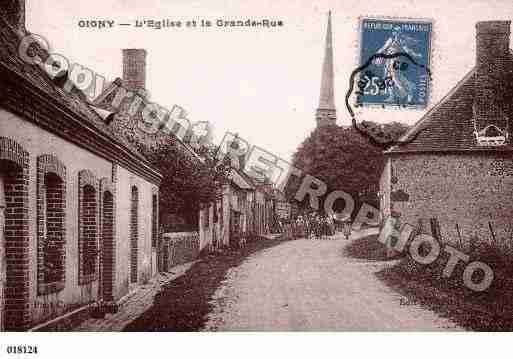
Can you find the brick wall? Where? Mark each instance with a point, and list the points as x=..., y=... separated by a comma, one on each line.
x=36, y=142
x=14, y=165
x=134, y=68
x=32, y=141
x=470, y=190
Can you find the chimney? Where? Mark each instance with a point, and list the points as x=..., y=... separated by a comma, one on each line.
x=134, y=69
x=492, y=67
x=14, y=10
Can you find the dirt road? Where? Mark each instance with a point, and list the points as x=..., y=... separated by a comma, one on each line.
x=312, y=285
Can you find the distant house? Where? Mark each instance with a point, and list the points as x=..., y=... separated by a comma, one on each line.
x=78, y=203
x=456, y=163
x=242, y=211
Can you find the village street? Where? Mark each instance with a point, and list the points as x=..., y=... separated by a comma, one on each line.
x=311, y=285
x=273, y=284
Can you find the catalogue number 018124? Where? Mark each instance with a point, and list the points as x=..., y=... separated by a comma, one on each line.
x=21, y=349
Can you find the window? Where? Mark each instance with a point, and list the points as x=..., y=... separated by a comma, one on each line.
x=51, y=239
x=88, y=229
x=52, y=245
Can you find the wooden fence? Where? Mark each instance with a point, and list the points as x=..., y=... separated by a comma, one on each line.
x=177, y=248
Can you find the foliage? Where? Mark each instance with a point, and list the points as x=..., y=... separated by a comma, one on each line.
x=489, y=310
x=343, y=159
x=389, y=132
x=368, y=248
x=188, y=181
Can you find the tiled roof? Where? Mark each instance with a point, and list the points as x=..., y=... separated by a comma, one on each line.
x=449, y=125
x=75, y=100
x=126, y=122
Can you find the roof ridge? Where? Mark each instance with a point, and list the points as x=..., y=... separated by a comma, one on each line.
x=118, y=84
x=39, y=80
x=105, y=92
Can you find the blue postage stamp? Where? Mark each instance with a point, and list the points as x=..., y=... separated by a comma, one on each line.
x=394, y=60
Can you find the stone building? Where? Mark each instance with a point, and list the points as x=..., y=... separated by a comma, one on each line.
x=326, y=114
x=456, y=163
x=77, y=201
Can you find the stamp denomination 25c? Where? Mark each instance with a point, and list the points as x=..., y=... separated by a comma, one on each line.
x=393, y=80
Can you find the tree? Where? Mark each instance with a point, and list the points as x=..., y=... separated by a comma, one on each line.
x=345, y=160
x=384, y=135
x=188, y=181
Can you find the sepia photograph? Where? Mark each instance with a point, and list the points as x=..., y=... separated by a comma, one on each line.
x=336, y=171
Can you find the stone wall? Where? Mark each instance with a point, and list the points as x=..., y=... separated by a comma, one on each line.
x=471, y=190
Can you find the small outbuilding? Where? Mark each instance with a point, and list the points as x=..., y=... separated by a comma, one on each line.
x=456, y=163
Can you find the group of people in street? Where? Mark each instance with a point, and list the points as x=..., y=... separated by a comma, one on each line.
x=314, y=226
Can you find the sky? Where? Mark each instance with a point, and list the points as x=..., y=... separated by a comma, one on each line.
x=262, y=83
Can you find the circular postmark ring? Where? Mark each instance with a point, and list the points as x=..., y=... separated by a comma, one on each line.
x=374, y=138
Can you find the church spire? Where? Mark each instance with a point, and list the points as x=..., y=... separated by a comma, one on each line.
x=326, y=113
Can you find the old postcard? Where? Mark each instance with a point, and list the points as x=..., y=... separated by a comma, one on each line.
x=223, y=166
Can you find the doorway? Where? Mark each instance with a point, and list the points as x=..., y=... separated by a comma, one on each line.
x=107, y=247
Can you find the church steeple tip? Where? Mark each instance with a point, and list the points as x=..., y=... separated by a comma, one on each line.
x=326, y=112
